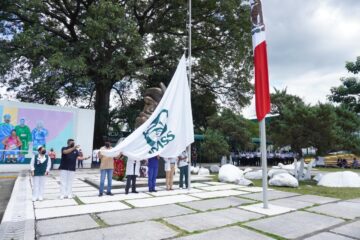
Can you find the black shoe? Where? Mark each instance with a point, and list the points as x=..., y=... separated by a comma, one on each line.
x=154, y=190
x=100, y=194
x=134, y=191
x=126, y=193
x=110, y=194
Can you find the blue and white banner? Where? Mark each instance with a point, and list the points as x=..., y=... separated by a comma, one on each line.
x=169, y=130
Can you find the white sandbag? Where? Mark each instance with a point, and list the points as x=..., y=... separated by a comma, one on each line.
x=204, y=172
x=254, y=175
x=195, y=170
x=284, y=180
x=230, y=173
x=246, y=170
x=318, y=177
x=340, y=179
x=244, y=182
x=214, y=168
x=272, y=172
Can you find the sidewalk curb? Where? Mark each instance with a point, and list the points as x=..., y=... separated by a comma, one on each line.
x=19, y=217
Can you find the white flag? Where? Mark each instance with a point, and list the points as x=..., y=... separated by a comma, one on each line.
x=169, y=130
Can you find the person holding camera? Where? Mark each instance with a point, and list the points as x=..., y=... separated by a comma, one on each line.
x=69, y=156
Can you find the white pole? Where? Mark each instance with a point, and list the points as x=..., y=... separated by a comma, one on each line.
x=263, y=162
x=189, y=58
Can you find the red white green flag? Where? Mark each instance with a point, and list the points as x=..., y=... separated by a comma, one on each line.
x=262, y=95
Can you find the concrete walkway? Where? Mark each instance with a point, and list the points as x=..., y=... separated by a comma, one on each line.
x=211, y=210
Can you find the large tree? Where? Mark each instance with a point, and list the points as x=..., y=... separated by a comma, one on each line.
x=348, y=93
x=79, y=50
x=237, y=130
x=323, y=126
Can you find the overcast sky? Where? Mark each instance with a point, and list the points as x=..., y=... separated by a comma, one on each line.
x=309, y=42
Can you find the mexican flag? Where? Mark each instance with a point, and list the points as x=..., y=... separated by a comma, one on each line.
x=262, y=95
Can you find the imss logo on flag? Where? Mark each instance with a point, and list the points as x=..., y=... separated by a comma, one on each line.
x=157, y=135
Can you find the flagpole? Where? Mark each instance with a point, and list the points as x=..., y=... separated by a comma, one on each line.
x=264, y=162
x=189, y=58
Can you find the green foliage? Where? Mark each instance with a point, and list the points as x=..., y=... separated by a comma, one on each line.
x=214, y=146
x=203, y=106
x=348, y=94
x=234, y=128
x=78, y=50
x=281, y=99
x=323, y=126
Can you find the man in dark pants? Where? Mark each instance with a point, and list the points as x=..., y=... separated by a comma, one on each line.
x=184, y=169
x=132, y=171
x=153, y=165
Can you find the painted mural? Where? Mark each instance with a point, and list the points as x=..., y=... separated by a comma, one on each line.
x=23, y=130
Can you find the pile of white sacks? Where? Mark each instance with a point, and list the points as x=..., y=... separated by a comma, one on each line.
x=282, y=175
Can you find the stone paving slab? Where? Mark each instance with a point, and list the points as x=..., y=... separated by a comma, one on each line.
x=54, y=203
x=294, y=225
x=198, y=184
x=254, y=189
x=271, y=195
x=216, y=194
x=52, y=190
x=65, y=224
x=229, y=233
x=220, y=187
x=114, y=198
x=314, y=199
x=347, y=210
x=351, y=229
x=217, y=203
x=355, y=200
x=327, y=236
x=270, y=211
x=83, y=189
x=157, y=201
x=137, y=231
x=213, y=219
x=175, y=192
x=291, y=203
x=44, y=213
x=215, y=183
x=143, y=214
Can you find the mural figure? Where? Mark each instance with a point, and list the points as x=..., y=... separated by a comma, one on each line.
x=24, y=133
x=39, y=135
x=5, y=131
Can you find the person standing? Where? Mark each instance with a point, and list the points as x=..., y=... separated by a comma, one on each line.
x=184, y=169
x=69, y=156
x=170, y=171
x=52, y=155
x=132, y=171
x=40, y=166
x=106, y=169
x=81, y=158
x=153, y=165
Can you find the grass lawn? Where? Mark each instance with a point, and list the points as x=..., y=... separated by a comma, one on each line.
x=310, y=187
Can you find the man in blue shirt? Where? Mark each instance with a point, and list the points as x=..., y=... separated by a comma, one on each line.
x=153, y=165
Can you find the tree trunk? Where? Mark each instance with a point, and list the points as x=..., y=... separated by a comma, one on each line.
x=102, y=104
